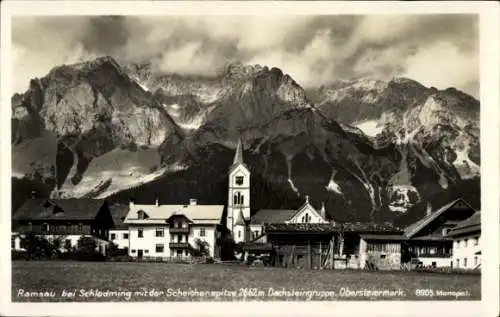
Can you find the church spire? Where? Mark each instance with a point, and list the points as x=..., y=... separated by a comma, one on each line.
x=238, y=156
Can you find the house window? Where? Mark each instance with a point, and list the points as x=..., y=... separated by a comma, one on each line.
x=30, y=226
x=434, y=264
x=239, y=234
x=186, y=252
x=67, y=244
x=476, y=241
x=113, y=236
x=80, y=227
x=466, y=243
x=458, y=263
x=140, y=233
x=159, y=232
x=13, y=243
x=475, y=260
x=202, y=232
x=159, y=248
x=382, y=256
x=146, y=251
x=179, y=253
x=46, y=227
x=133, y=250
x=465, y=262
x=179, y=225
x=239, y=180
x=125, y=236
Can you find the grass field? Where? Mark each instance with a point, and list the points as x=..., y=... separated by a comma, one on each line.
x=108, y=281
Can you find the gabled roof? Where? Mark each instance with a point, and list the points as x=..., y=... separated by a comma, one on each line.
x=59, y=209
x=272, y=216
x=346, y=227
x=384, y=237
x=201, y=214
x=304, y=205
x=471, y=224
x=414, y=228
x=119, y=212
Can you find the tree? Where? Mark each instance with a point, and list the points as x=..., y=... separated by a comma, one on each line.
x=39, y=247
x=86, y=250
x=201, y=248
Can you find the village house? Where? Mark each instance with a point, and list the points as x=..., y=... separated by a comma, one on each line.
x=467, y=243
x=428, y=241
x=166, y=231
x=64, y=219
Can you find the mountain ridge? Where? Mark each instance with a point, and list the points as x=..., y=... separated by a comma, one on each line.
x=169, y=124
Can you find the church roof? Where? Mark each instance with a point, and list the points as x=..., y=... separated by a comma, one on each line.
x=272, y=216
x=238, y=157
x=241, y=218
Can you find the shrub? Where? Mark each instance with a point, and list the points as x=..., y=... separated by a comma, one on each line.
x=39, y=248
x=19, y=255
x=86, y=250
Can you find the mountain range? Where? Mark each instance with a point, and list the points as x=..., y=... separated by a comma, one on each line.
x=371, y=150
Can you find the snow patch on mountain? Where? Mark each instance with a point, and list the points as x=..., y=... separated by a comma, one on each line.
x=292, y=185
x=369, y=127
x=403, y=197
x=138, y=82
x=332, y=185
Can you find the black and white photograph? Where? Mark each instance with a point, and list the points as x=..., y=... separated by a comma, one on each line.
x=247, y=158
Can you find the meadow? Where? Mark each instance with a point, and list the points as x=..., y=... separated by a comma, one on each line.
x=54, y=281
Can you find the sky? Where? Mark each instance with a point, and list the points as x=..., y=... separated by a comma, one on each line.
x=436, y=50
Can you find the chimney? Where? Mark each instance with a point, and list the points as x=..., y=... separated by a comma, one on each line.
x=429, y=209
x=322, y=211
x=193, y=201
x=131, y=203
x=156, y=202
x=33, y=194
x=307, y=199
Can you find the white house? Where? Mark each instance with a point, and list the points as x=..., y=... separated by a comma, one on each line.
x=163, y=231
x=467, y=243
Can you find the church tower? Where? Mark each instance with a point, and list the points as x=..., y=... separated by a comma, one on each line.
x=238, y=205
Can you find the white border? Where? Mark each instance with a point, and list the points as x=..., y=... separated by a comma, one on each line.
x=490, y=158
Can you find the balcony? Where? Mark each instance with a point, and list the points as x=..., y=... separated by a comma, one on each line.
x=178, y=230
x=179, y=245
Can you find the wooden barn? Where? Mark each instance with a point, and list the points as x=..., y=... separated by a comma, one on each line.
x=327, y=245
